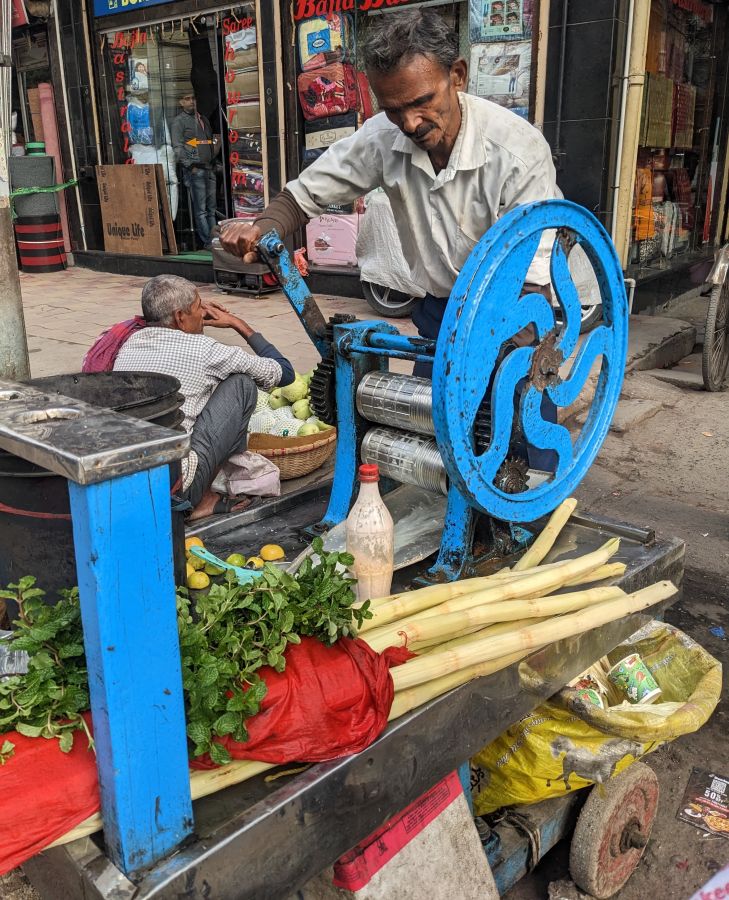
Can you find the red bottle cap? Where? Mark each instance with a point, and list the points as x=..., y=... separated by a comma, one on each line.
x=369, y=472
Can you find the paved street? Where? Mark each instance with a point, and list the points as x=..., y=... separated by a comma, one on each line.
x=66, y=311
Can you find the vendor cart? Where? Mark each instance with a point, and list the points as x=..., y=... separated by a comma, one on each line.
x=266, y=838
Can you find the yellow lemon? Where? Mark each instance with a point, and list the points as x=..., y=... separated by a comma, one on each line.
x=189, y=570
x=255, y=562
x=196, y=562
x=192, y=542
x=198, y=581
x=271, y=552
x=211, y=569
x=236, y=559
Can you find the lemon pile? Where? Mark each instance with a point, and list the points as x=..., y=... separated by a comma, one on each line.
x=198, y=572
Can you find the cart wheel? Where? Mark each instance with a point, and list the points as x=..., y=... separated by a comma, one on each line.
x=715, y=357
x=613, y=830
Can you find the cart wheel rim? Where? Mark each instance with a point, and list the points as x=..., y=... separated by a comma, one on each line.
x=616, y=817
x=616, y=861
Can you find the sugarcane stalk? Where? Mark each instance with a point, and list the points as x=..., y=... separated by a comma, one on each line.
x=536, y=584
x=549, y=534
x=435, y=665
x=435, y=645
x=403, y=633
x=609, y=570
x=412, y=698
x=202, y=784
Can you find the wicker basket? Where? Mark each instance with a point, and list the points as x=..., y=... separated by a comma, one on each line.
x=295, y=456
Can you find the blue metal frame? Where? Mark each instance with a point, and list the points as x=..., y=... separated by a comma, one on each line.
x=485, y=310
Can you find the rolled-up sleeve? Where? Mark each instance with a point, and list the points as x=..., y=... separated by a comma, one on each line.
x=533, y=179
x=349, y=169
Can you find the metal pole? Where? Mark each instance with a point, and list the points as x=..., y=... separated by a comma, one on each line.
x=13, y=342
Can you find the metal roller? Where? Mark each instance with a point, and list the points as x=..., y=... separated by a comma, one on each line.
x=402, y=401
x=406, y=457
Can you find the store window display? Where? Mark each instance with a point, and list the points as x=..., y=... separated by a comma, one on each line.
x=185, y=94
x=675, y=180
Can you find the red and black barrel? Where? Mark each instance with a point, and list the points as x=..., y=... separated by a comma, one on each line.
x=40, y=243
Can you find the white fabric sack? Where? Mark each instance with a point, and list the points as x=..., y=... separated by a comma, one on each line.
x=250, y=474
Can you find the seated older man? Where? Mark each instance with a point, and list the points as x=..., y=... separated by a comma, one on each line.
x=219, y=382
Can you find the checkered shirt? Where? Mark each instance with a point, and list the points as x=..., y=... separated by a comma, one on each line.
x=199, y=362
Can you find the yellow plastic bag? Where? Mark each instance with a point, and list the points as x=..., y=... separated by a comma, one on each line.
x=567, y=743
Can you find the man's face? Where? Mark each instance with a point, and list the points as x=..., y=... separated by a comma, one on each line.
x=191, y=320
x=188, y=103
x=421, y=98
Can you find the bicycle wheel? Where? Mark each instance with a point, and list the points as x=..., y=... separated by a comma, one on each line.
x=715, y=357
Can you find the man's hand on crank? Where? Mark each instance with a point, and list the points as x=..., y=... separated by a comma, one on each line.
x=241, y=239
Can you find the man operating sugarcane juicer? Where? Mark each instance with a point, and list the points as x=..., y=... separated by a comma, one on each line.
x=450, y=163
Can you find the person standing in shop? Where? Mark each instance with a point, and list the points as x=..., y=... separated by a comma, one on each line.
x=195, y=148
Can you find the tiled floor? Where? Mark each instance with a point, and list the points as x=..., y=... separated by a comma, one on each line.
x=65, y=312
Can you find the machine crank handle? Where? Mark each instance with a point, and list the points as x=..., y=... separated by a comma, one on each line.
x=273, y=252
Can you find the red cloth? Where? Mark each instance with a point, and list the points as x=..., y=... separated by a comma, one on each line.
x=329, y=702
x=45, y=793
x=105, y=349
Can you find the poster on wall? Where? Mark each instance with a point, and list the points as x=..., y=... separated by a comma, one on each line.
x=502, y=72
x=500, y=20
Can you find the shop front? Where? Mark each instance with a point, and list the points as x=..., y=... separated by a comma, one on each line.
x=332, y=99
x=679, y=183
x=188, y=110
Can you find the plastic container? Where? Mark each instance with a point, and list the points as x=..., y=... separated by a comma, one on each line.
x=371, y=538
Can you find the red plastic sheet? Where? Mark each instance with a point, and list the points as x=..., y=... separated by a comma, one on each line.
x=329, y=702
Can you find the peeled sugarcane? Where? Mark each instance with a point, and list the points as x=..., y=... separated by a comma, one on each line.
x=411, y=698
x=436, y=664
x=545, y=541
x=538, y=583
x=436, y=644
x=403, y=633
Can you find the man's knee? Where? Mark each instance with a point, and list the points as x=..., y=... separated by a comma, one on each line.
x=245, y=388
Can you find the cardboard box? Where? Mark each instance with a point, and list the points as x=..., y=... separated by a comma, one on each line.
x=130, y=209
x=331, y=240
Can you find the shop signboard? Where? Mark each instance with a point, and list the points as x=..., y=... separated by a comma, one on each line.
x=130, y=209
x=113, y=7
x=307, y=9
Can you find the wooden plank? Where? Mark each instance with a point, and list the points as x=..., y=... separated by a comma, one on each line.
x=169, y=241
x=122, y=533
x=130, y=209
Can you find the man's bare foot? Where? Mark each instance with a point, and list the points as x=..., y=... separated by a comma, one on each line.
x=213, y=504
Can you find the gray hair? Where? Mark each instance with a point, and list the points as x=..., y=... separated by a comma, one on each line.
x=164, y=295
x=395, y=38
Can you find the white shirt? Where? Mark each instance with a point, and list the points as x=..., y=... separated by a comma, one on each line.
x=499, y=161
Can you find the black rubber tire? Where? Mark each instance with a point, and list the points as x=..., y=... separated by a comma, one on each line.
x=387, y=302
x=591, y=315
x=599, y=864
x=715, y=358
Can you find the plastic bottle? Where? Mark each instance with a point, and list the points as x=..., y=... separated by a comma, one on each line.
x=371, y=538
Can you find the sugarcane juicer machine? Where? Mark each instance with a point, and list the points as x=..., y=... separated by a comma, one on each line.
x=470, y=431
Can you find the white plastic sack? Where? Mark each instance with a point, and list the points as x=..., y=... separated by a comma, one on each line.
x=379, y=253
